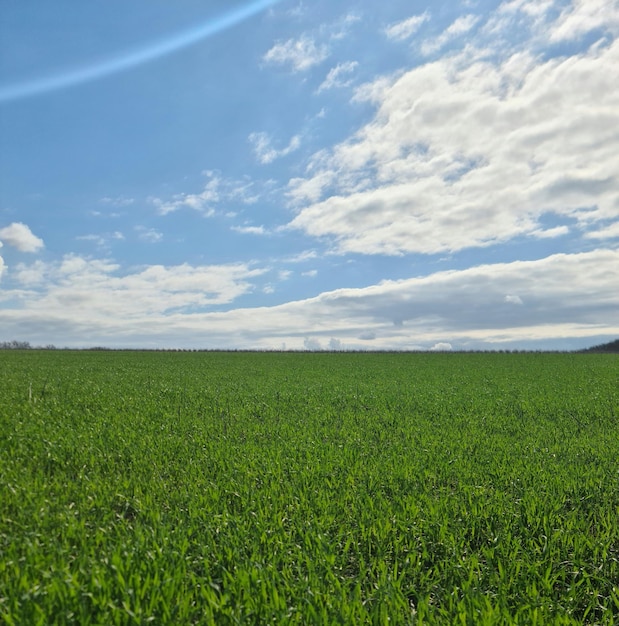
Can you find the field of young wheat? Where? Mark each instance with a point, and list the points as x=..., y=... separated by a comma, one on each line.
x=239, y=488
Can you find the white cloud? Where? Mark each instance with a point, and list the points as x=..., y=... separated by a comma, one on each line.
x=583, y=16
x=250, y=230
x=30, y=275
x=442, y=346
x=466, y=153
x=336, y=76
x=301, y=257
x=532, y=8
x=458, y=28
x=97, y=239
x=150, y=235
x=335, y=344
x=201, y=202
x=609, y=232
x=298, y=54
x=312, y=188
x=216, y=190
x=513, y=299
x=296, y=12
x=340, y=29
x=375, y=91
x=118, y=201
x=265, y=152
x=103, y=240
x=550, y=233
x=88, y=302
x=514, y=19
x=406, y=28
x=97, y=290
x=21, y=237
x=309, y=343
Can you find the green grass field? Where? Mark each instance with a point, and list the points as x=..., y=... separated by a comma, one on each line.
x=243, y=488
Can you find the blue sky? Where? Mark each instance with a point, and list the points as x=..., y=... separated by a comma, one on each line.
x=310, y=175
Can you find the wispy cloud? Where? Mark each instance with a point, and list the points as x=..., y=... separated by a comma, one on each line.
x=118, y=201
x=102, y=240
x=149, y=235
x=297, y=54
x=404, y=29
x=311, y=48
x=341, y=28
x=250, y=230
x=262, y=145
x=458, y=28
x=339, y=76
x=202, y=202
x=584, y=16
x=216, y=190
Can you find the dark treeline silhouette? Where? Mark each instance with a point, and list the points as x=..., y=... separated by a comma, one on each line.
x=23, y=345
x=611, y=346
x=15, y=345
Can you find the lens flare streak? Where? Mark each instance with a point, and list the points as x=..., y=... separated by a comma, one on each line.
x=134, y=58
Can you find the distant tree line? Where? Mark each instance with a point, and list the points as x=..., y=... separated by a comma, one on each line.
x=23, y=345
x=15, y=345
x=611, y=346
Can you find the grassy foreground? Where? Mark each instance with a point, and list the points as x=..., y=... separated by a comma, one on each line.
x=231, y=488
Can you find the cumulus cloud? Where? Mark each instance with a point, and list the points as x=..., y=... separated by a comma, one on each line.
x=335, y=344
x=404, y=29
x=309, y=343
x=31, y=274
x=442, y=346
x=88, y=301
x=265, y=152
x=97, y=289
x=297, y=54
x=469, y=152
x=21, y=237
